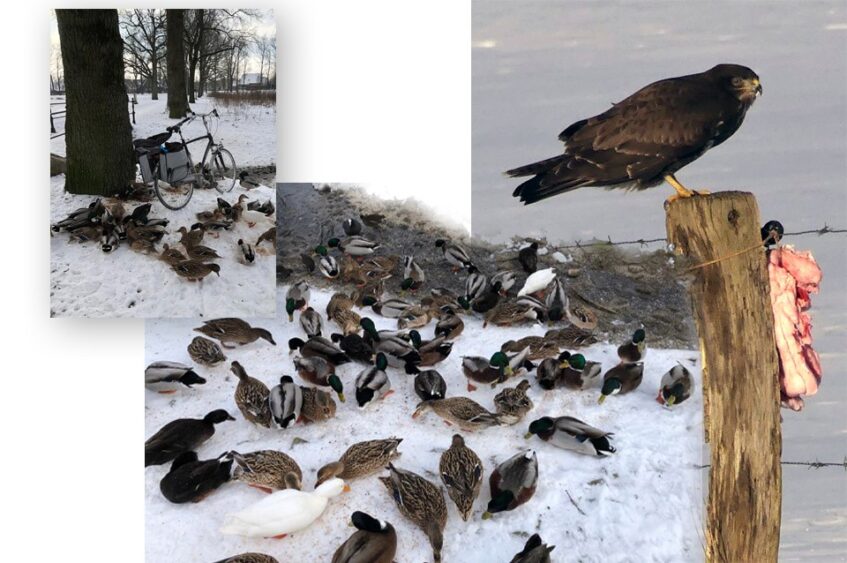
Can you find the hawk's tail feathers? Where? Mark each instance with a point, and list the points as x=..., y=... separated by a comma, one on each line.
x=546, y=181
x=537, y=167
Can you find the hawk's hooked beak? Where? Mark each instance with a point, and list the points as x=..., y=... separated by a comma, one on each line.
x=757, y=86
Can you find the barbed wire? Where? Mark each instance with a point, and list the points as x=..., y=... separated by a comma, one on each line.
x=809, y=464
x=825, y=230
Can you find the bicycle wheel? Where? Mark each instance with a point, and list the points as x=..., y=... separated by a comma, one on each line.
x=223, y=173
x=174, y=196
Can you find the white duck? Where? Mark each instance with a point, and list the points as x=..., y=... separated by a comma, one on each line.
x=283, y=512
x=537, y=281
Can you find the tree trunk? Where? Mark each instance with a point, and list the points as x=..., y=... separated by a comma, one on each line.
x=732, y=309
x=154, y=82
x=98, y=136
x=177, y=100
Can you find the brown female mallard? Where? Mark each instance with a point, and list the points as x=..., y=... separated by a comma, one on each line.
x=360, y=460
x=509, y=313
x=200, y=252
x=265, y=470
x=234, y=331
x=540, y=347
x=171, y=256
x=449, y=325
x=267, y=236
x=204, y=351
x=512, y=403
x=461, y=472
x=317, y=405
x=250, y=557
x=251, y=396
x=466, y=413
x=194, y=270
x=190, y=238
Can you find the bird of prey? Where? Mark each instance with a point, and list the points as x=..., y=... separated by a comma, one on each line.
x=647, y=137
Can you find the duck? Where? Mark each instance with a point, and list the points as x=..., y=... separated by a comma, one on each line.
x=415, y=316
x=171, y=256
x=267, y=236
x=311, y=322
x=556, y=301
x=85, y=233
x=205, y=351
x=285, y=401
x=391, y=308
x=190, y=237
x=449, y=325
x=225, y=208
x=339, y=301
x=507, y=279
x=354, y=246
x=537, y=282
x=430, y=385
x=308, y=262
x=497, y=369
x=540, y=347
x=371, y=289
x=466, y=413
x=194, y=270
x=181, y=435
x=571, y=337
x=317, y=370
x=374, y=541
x=572, y=434
x=455, y=254
x=413, y=275
x=534, y=551
x=351, y=271
x=431, y=351
x=283, y=512
x=192, y=480
x=251, y=397
x=420, y=501
x=296, y=298
x=266, y=207
x=354, y=346
x=361, y=460
x=486, y=302
x=634, y=350
x=214, y=225
x=675, y=387
x=319, y=347
x=475, y=284
x=317, y=405
x=167, y=377
x=439, y=297
x=249, y=557
x=212, y=215
x=266, y=470
x=201, y=253
x=548, y=373
x=512, y=404
x=621, y=379
x=248, y=255
x=328, y=267
x=512, y=483
x=352, y=227
x=372, y=383
x=508, y=313
x=461, y=472
x=528, y=258
x=231, y=330
x=582, y=317
x=148, y=233
x=340, y=310
x=399, y=352
x=577, y=373
x=246, y=182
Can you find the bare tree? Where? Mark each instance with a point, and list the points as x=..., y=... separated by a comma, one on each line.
x=144, y=43
x=98, y=136
x=177, y=99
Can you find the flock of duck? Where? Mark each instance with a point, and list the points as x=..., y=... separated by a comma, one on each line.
x=111, y=223
x=353, y=338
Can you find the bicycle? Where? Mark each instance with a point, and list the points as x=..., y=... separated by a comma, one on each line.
x=174, y=184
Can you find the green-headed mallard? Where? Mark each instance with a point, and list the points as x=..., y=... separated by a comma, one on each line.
x=572, y=434
x=413, y=275
x=311, y=322
x=461, y=472
x=634, y=350
x=372, y=383
x=354, y=246
x=508, y=313
x=512, y=403
x=415, y=316
x=391, y=308
x=361, y=459
x=374, y=541
x=317, y=405
x=192, y=480
x=450, y=325
x=181, y=435
x=577, y=373
x=296, y=298
x=675, y=386
x=249, y=557
x=266, y=470
x=167, y=377
x=528, y=258
x=398, y=351
x=234, y=331
x=431, y=351
x=485, y=303
x=251, y=396
x=171, y=256
x=318, y=371
x=512, y=483
x=430, y=386
x=354, y=346
x=200, y=252
x=194, y=270
x=190, y=237
x=285, y=401
x=466, y=413
x=455, y=254
x=540, y=347
x=205, y=351
x=319, y=347
x=534, y=551
x=621, y=379
x=507, y=280
x=420, y=501
x=497, y=369
x=475, y=284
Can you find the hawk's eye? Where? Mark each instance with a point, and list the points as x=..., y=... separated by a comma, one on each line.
x=736, y=81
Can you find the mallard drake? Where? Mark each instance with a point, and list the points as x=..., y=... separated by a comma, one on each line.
x=486, y=302
x=85, y=233
x=317, y=405
x=285, y=401
x=556, y=301
x=675, y=386
x=192, y=480
x=246, y=182
x=190, y=238
x=266, y=207
x=206, y=352
x=548, y=372
x=352, y=227
x=507, y=279
x=200, y=252
x=167, y=377
x=266, y=470
x=512, y=483
x=110, y=240
x=354, y=245
x=234, y=331
x=431, y=351
x=194, y=270
x=399, y=352
x=621, y=379
x=250, y=557
x=328, y=267
x=354, y=346
x=455, y=254
x=512, y=404
x=635, y=350
x=577, y=373
x=461, y=473
x=171, y=256
x=413, y=275
x=508, y=313
x=537, y=282
x=540, y=347
x=320, y=347
x=466, y=413
x=181, y=435
x=535, y=551
x=391, y=308
x=282, y=512
x=248, y=255
x=449, y=325
x=497, y=369
x=415, y=316
x=360, y=460
x=372, y=289
x=430, y=386
x=311, y=322
x=528, y=258
x=475, y=284
x=420, y=501
x=297, y=298
x=317, y=370
x=267, y=236
x=372, y=383
x=375, y=541
x=572, y=434
x=251, y=397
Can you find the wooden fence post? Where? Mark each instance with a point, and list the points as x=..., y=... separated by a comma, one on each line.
x=732, y=310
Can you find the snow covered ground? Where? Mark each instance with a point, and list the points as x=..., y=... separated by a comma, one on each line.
x=644, y=500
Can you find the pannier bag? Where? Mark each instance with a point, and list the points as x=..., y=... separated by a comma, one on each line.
x=174, y=166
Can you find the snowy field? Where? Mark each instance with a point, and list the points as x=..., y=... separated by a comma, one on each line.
x=86, y=282
x=644, y=500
